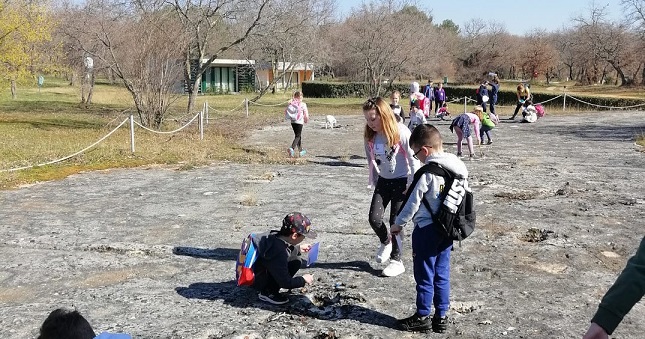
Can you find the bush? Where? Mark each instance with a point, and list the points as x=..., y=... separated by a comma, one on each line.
x=317, y=89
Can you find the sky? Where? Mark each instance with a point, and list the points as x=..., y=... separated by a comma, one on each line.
x=518, y=16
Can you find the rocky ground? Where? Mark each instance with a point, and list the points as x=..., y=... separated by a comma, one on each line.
x=151, y=251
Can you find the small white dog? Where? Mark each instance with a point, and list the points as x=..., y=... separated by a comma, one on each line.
x=330, y=122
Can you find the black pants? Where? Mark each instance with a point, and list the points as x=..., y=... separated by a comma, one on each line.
x=520, y=104
x=266, y=284
x=297, y=140
x=386, y=191
x=438, y=104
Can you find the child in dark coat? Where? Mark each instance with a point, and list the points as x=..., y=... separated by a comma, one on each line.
x=279, y=258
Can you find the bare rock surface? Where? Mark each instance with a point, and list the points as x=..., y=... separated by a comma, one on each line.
x=151, y=251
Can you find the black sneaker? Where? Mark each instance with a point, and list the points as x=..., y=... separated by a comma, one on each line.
x=439, y=324
x=274, y=298
x=415, y=323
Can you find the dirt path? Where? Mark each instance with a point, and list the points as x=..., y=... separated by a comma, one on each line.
x=151, y=251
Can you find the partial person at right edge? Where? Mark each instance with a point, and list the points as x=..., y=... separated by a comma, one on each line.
x=628, y=289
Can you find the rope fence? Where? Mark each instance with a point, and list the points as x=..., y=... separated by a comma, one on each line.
x=273, y=105
x=71, y=155
x=132, y=148
x=168, y=132
x=203, y=118
x=602, y=106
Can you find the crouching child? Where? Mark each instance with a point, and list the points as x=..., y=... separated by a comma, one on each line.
x=431, y=247
x=279, y=258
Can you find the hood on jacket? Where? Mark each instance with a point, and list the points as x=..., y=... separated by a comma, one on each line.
x=450, y=162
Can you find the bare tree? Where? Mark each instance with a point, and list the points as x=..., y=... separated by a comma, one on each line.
x=482, y=47
x=215, y=26
x=368, y=42
x=635, y=16
x=539, y=56
x=606, y=40
x=290, y=40
x=137, y=41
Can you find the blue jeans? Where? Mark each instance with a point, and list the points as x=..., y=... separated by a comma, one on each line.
x=431, y=261
x=492, y=102
x=484, y=130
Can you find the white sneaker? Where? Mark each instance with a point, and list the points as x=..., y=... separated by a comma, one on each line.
x=383, y=253
x=394, y=268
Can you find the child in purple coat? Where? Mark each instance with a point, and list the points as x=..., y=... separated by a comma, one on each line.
x=439, y=97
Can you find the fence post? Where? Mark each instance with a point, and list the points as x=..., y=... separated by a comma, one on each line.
x=131, y=132
x=206, y=109
x=564, y=101
x=201, y=124
x=246, y=106
x=465, y=109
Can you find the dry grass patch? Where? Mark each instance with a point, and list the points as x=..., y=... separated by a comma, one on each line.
x=640, y=140
x=249, y=199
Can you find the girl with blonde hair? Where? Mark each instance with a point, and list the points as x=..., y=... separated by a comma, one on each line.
x=392, y=165
x=523, y=98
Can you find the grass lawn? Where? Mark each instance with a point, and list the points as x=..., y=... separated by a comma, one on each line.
x=48, y=124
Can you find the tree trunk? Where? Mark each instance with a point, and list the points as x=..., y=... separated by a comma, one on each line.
x=643, y=77
x=14, y=93
x=90, y=91
x=194, y=91
x=623, y=80
x=83, y=87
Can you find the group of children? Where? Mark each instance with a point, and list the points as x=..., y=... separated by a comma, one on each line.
x=420, y=105
x=394, y=153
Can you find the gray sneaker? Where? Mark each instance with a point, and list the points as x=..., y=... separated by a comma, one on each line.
x=273, y=298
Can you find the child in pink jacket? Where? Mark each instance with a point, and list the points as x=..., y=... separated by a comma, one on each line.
x=461, y=125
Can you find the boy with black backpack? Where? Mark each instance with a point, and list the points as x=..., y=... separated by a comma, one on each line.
x=431, y=243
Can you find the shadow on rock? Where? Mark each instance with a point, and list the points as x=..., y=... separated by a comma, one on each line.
x=338, y=160
x=597, y=132
x=361, y=266
x=316, y=302
x=206, y=253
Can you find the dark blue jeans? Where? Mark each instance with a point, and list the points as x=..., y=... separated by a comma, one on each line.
x=485, y=130
x=431, y=261
x=492, y=103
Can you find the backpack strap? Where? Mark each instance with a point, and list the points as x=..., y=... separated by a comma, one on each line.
x=435, y=169
x=439, y=170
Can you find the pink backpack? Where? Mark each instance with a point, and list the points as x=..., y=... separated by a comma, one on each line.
x=293, y=111
x=539, y=110
x=424, y=103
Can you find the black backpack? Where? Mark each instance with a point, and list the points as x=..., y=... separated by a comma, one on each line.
x=456, y=216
